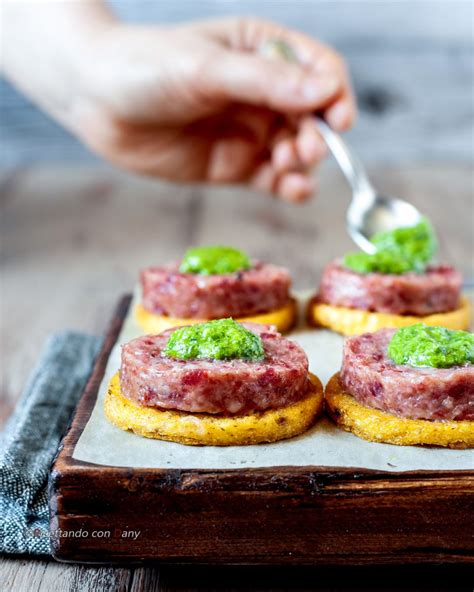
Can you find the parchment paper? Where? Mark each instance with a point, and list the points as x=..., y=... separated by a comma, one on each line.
x=323, y=445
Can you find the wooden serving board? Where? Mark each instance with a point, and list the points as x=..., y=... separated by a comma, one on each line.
x=278, y=515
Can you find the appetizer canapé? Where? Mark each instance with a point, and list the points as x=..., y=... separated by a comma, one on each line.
x=414, y=385
x=212, y=283
x=219, y=383
x=394, y=287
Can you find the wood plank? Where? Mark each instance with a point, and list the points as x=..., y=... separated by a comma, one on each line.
x=58, y=576
x=72, y=256
x=304, y=238
x=22, y=574
x=150, y=579
x=316, y=579
x=85, y=232
x=43, y=576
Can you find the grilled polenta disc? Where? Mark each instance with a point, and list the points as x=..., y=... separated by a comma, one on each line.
x=213, y=430
x=353, y=321
x=283, y=318
x=379, y=426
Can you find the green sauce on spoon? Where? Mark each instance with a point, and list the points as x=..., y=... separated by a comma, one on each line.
x=398, y=251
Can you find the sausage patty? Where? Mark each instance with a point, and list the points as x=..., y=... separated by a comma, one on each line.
x=436, y=290
x=370, y=376
x=167, y=291
x=229, y=387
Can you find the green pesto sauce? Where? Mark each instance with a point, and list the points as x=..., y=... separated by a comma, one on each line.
x=223, y=339
x=433, y=347
x=214, y=260
x=398, y=251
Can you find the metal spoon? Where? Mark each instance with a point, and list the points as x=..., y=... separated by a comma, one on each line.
x=369, y=212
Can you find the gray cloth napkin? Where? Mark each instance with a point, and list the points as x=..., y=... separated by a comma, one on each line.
x=31, y=437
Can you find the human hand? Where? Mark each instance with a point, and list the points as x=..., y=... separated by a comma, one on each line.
x=198, y=102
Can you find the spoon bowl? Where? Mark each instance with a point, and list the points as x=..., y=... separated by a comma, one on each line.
x=370, y=213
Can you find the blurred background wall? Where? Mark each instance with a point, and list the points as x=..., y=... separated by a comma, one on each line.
x=411, y=62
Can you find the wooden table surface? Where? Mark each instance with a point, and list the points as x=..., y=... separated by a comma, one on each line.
x=73, y=238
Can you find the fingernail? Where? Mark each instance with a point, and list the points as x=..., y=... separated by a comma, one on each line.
x=318, y=88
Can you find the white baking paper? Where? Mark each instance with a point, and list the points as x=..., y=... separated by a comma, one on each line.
x=102, y=443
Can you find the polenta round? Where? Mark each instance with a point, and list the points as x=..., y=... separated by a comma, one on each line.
x=353, y=321
x=379, y=426
x=212, y=430
x=283, y=318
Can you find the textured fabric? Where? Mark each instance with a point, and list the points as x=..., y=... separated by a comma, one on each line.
x=31, y=438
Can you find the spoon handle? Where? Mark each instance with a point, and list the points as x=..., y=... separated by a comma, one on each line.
x=350, y=164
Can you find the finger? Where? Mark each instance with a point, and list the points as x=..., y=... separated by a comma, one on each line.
x=295, y=187
x=239, y=142
x=285, y=156
x=252, y=34
x=310, y=145
x=281, y=130
x=264, y=179
x=251, y=122
x=341, y=112
x=231, y=160
x=322, y=59
x=275, y=84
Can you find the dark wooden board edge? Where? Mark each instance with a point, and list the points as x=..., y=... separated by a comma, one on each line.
x=87, y=401
x=69, y=474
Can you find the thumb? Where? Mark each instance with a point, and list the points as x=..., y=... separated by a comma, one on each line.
x=273, y=83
